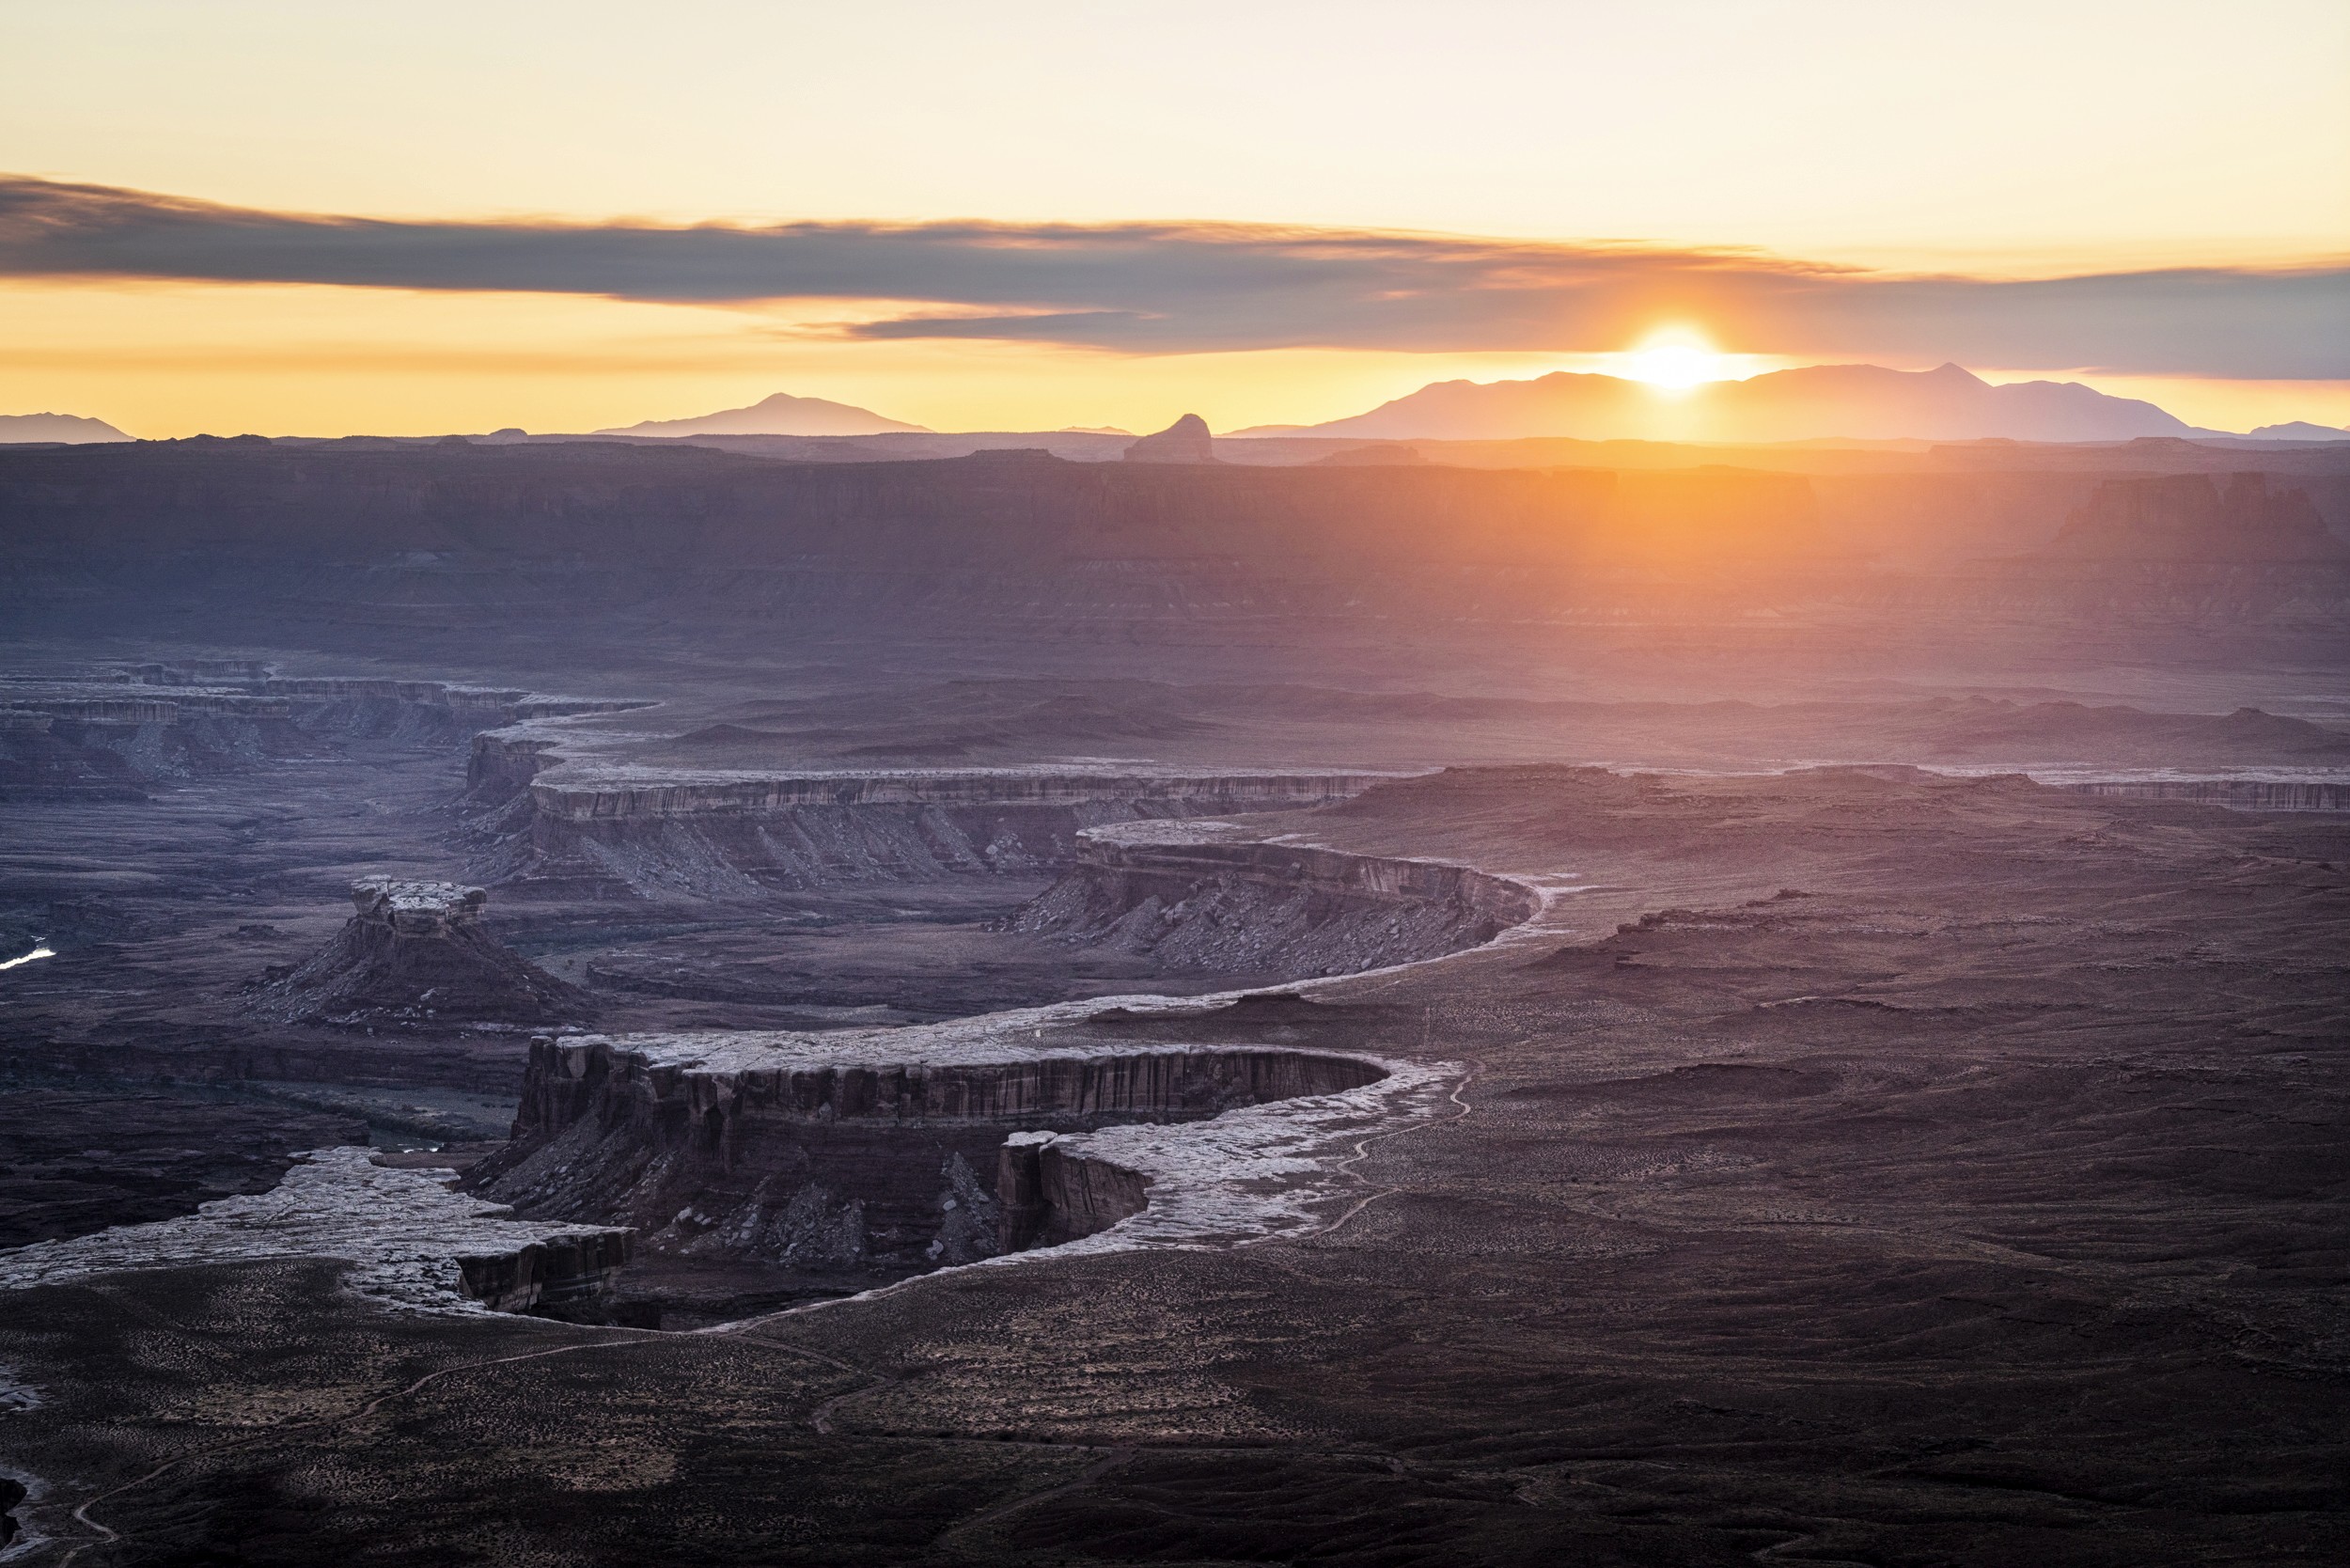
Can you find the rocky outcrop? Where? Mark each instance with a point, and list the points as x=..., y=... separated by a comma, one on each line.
x=1204, y=897
x=1184, y=440
x=415, y=952
x=545, y=1277
x=1047, y=1194
x=792, y=1152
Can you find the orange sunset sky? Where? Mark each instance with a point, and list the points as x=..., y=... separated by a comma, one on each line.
x=1027, y=217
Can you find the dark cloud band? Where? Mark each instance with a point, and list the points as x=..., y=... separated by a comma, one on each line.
x=1177, y=288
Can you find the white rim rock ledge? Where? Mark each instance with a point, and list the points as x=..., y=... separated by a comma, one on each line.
x=1246, y=1174
x=405, y=1231
x=1252, y=1173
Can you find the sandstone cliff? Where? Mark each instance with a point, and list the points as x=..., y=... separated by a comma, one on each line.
x=784, y=1150
x=115, y=732
x=1209, y=897
x=2185, y=517
x=738, y=838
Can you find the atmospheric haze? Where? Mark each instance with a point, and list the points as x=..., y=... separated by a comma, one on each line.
x=908, y=785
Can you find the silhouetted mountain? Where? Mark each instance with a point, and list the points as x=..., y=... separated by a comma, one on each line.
x=1821, y=402
x=2300, y=430
x=781, y=414
x=70, y=428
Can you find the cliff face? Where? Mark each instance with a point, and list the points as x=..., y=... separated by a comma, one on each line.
x=2238, y=794
x=112, y=734
x=831, y=1162
x=545, y=1277
x=413, y=952
x=734, y=837
x=1199, y=900
x=2186, y=517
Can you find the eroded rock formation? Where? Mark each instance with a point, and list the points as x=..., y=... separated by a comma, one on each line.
x=1202, y=896
x=796, y=1153
x=736, y=838
x=415, y=952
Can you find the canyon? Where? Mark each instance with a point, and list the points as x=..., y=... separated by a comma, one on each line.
x=619, y=1002
x=796, y=1168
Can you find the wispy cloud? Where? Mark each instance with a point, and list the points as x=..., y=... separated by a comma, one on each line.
x=1189, y=287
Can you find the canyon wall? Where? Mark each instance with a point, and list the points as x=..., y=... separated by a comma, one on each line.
x=798, y=1155
x=109, y=734
x=546, y=1275
x=2240, y=795
x=742, y=838
x=1192, y=897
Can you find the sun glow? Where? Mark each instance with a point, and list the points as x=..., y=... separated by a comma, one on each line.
x=1677, y=360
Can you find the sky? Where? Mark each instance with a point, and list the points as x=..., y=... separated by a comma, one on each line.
x=322, y=219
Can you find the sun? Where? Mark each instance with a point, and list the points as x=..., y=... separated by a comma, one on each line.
x=1677, y=361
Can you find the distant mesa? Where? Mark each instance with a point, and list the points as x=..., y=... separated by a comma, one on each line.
x=2185, y=517
x=781, y=414
x=1852, y=402
x=1093, y=430
x=2300, y=430
x=1184, y=440
x=73, y=429
x=1379, y=454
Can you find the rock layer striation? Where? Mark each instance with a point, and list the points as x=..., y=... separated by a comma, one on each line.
x=790, y=1151
x=1214, y=895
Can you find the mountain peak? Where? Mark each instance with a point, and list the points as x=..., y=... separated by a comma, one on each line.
x=69, y=428
x=2300, y=430
x=1811, y=403
x=778, y=414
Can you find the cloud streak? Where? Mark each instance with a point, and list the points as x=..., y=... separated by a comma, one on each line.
x=1165, y=287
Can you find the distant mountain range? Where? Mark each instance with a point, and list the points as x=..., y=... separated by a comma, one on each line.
x=1819, y=402
x=2300, y=430
x=72, y=428
x=1850, y=402
x=781, y=414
